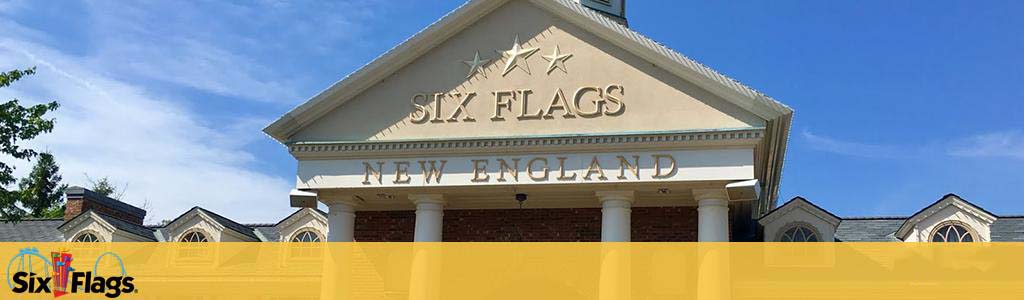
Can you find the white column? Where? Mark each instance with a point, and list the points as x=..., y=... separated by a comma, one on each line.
x=712, y=215
x=615, y=215
x=429, y=217
x=341, y=219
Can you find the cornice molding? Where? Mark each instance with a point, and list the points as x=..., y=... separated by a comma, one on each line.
x=690, y=139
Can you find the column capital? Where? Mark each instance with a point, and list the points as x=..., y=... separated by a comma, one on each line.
x=427, y=198
x=616, y=195
x=710, y=194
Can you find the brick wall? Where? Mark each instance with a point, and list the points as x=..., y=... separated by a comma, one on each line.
x=530, y=225
x=384, y=226
x=665, y=224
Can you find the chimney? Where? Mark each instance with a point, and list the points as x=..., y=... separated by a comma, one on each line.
x=81, y=200
x=614, y=9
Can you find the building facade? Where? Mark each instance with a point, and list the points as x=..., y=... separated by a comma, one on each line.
x=536, y=120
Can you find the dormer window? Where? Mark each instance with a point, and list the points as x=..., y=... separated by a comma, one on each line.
x=306, y=236
x=952, y=232
x=194, y=237
x=800, y=234
x=86, y=237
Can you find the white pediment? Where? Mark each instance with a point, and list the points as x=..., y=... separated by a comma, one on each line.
x=521, y=69
x=540, y=76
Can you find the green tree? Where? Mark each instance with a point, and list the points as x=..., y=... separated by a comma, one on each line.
x=104, y=187
x=41, y=192
x=18, y=124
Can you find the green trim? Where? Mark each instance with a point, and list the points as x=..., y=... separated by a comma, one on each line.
x=660, y=132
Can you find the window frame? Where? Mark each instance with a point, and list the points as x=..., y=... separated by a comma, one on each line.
x=975, y=237
x=793, y=225
x=206, y=236
x=319, y=235
x=99, y=238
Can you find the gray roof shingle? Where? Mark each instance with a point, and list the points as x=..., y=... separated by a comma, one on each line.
x=1008, y=229
x=868, y=229
x=31, y=230
x=246, y=230
x=122, y=225
x=268, y=231
x=132, y=228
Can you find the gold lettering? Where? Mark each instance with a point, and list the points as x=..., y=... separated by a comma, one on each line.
x=434, y=171
x=530, y=169
x=402, y=172
x=623, y=164
x=525, y=106
x=658, y=173
x=375, y=173
x=480, y=170
x=598, y=104
x=558, y=102
x=502, y=102
x=461, y=109
x=438, y=98
x=503, y=167
x=561, y=170
x=420, y=114
x=620, y=107
x=595, y=167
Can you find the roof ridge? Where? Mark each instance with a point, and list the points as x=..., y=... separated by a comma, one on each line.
x=875, y=218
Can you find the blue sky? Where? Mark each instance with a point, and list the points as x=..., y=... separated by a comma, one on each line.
x=897, y=103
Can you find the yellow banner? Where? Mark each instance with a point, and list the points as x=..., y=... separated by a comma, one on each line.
x=513, y=271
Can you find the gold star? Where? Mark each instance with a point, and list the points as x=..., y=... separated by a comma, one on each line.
x=557, y=61
x=516, y=57
x=476, y=65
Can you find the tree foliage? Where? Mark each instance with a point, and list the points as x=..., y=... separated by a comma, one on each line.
x=18, y=124
x=105, y=187
x=41, y=192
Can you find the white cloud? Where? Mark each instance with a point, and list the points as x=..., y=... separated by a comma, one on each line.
x=827, y=144
x=1004, y=144
x=239, y=50
x=166, y=156
x=121, y=72
x=1007, y=144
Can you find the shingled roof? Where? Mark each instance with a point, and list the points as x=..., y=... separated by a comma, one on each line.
x=122, y=225
x=222, y=221
x=1008, y=229
x=880, y=229
x=31, y=230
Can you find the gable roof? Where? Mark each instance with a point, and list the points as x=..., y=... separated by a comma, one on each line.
x=322, y=213
x=594, y=22
x=220, y=220
x=118, y=224
x=817, y=210
x=952, y=199
x=31, y=230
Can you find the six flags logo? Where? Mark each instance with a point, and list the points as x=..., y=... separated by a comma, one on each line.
x=24, y=279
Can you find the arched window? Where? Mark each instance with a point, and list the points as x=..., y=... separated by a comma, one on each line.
x=952, y=232
x=306, y=236
x=194, y=237
x=86, y=237
x=799, y=233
